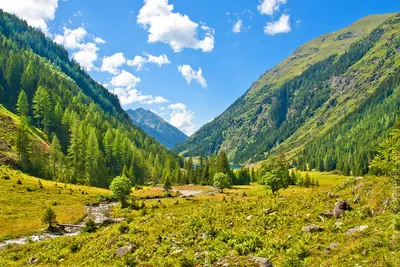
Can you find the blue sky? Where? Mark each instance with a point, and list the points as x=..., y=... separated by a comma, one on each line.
x=185, y=59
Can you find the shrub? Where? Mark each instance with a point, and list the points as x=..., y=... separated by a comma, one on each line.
x=19, y=182
x=121, y=188
x=123, y=228
x=49, y=217
x=90, y=226
x=6, y=177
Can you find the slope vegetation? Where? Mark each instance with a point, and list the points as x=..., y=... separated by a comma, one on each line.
x=330, y=81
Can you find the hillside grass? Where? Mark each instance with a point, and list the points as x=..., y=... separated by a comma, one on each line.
x=248, y=220
x=22, y=206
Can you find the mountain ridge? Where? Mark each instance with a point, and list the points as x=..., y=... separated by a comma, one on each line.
x=157, y=127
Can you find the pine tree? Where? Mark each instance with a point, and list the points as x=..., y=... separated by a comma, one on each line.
x=93, y=159
x=42, y=107
x=55, y=158
x=23, y=143
x=75, y=153
x=22, y=104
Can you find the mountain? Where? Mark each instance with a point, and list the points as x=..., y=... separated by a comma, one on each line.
x=69, y=127
x=156, y=127
x=324, y=107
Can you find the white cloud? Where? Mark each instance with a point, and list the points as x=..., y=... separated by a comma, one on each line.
x=280, y=26
x=35, y=12
x=140, y=61
x=98, y=40
x=269, y=7
x=182, y=118
x=86, y=53
x=125, y=79
x=128, y=96
x=111, y=63
x=190, y=74
x=175, y=29
x=237, y=27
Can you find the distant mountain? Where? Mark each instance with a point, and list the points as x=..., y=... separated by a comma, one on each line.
x=325, y=106
x=157, y=127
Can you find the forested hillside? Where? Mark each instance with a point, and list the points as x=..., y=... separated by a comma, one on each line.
x=325, y=106
x=88, y=138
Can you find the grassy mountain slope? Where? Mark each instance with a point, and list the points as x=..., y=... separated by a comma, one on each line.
x=307, y=95
x=229, y=229
x=96, y=136
x=156, y=127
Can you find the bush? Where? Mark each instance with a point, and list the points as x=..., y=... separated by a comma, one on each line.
x=121, y=188
x=123, y=228
x=90, y=226
x=19, y=182
x=6, y=177
x=49, y=217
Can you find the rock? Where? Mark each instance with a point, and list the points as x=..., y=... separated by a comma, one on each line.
x=198, y=255
x=249, y=217
x=262, y=262
x=231, y=224
x=178, y=251
x=311, y=228
x=32, y=261
x=331, y=247
x=122, y=251
x=340, y=208
x=356, y=199
x=356, y=229
x=112, y=221
x=359, y=178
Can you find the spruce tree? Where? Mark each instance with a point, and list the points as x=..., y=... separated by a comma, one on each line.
x=22, y=104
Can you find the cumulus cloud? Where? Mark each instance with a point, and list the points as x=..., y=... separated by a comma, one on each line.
x=190, y=74
x=125, y=79
x=280, y=26
x=269, y=7
x=140, y=61
x=35, y=12
x=237, y=27
x=85, y=53
x=182, y=118
x=128, y=96
x=98, y=40
x=111, y=63
x=174, y=29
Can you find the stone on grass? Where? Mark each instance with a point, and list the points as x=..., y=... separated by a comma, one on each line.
x=249, y=217
x=331, y=247
x=340, y=208
x=262, y=262
x=122, y=251
x=312, y=228
x=356, y=229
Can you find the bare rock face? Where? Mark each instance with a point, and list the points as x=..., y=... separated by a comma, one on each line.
x=340, y=208
x=311, y=228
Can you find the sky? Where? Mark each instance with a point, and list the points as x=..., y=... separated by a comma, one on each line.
x=186, y=60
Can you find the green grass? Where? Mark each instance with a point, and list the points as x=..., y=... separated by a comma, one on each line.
x=21, y=210
x=210, y=227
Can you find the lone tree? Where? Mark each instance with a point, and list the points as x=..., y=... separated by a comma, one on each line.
x=49, y=218
x=222, y=181
x=121, y=188
x=275, y=182
x=167, y=184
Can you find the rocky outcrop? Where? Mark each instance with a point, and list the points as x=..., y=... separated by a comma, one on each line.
x=341, y=207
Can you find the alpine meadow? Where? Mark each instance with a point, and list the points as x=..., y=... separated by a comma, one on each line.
x=111, y=159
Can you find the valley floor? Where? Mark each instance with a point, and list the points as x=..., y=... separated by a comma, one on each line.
x=210, y=227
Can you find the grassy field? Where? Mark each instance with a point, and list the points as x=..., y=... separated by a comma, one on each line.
x=22, y=205
x=246, y=220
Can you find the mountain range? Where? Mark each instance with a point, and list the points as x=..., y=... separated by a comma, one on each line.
x=155, y=126
x=324, y=107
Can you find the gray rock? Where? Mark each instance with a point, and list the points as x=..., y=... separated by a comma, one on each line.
x=331, y=247
x=178, y=251
x=356, y=229
x=249, y=217
x=340, y=208
x=122, y=251
x=311, y=228
x=331, y=195
x=262, y=262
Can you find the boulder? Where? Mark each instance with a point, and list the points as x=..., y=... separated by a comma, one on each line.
x=331, y=247
x=340, y=208
x=356, y=229
x=262, y=262
x=122, y=251
x=311, y=228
